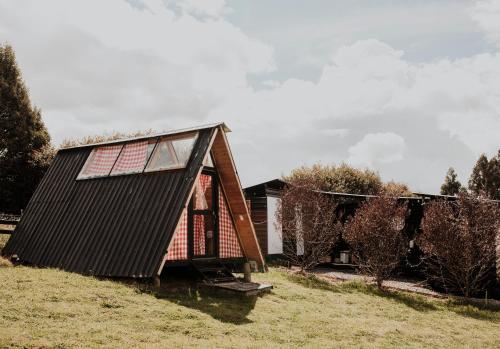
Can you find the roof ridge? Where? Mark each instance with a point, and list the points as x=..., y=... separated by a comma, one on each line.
x=153, y=135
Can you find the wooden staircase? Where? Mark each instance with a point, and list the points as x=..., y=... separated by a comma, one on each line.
x=213, y=272
x=216, y=276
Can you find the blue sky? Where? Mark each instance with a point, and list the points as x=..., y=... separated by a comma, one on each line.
x=407, y=88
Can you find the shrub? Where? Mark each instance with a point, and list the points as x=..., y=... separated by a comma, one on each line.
x=308, y=224
x=375, y=237
x=458, y=241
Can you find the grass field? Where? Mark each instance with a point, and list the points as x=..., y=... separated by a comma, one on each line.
x=51, y=308
x=3, y=240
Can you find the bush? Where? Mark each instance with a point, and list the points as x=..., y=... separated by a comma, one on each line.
x=375, y=237
x=308, y=224
x=458, y=241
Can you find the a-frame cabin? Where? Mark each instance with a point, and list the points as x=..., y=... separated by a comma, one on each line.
x=129, y=208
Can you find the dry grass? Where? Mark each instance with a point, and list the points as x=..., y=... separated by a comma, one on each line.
x=50, y=308
x=3, y=240
x=5, y=263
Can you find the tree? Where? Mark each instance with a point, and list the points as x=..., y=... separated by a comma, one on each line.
x=485, y=177
x=25, y=150
x=395, y=189
x=458, y=241
x=342, y=178
x=114, y=136
x=376, y=238
x=451, y=185
x=308, y=224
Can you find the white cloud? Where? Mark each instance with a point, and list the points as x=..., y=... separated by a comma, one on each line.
x=109, y=65
x=377, y=148
x=486, y=13
x=439, y=107
x=211, y=8
x=100, y=66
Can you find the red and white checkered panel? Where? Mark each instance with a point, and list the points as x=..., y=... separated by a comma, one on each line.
x=132, y=159
x=229, y=245
x=204, y=183
x=178, y=249
x=100, y=161
x=199, y=235
x=202, y=186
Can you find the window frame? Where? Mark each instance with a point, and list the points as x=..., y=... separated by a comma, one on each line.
x=171, y=149
x=153, y=141
x=149, y=157
x=90, y=156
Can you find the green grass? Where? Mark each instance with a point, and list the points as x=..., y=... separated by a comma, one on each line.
x=50, y=308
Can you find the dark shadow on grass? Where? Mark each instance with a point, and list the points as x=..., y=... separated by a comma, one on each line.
x=416, y=302
x=475, y=309
x=222, y=306
x=311, y=281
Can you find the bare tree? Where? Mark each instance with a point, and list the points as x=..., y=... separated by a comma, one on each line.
x=308, y=224
x=375, y=237
x=458, y=240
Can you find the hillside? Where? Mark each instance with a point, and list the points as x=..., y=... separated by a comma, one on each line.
x=51, y=308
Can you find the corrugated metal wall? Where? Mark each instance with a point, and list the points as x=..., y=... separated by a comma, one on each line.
x=115, y=226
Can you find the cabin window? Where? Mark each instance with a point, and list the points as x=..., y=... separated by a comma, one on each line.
x=133, y=157
x=203, y=193
x=171, y=153
x=136, y=157
x=100, y=162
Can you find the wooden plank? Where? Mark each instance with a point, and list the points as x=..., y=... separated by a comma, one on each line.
x=240, y=287
x=231, y=185
x=9, y=221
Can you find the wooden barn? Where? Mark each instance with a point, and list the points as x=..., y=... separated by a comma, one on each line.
x=131, y=208
x=264, y=199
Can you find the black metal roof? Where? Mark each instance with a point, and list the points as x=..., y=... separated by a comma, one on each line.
x=114, y=226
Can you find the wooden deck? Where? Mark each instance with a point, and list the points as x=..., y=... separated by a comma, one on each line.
x=241, y=287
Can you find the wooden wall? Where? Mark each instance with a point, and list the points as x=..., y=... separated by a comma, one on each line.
x=259, y=219
x=231, y=185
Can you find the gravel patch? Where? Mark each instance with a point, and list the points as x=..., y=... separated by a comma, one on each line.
x=416, y=286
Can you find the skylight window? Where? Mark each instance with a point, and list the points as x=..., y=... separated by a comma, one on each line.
x=133, y=157
x=100, y=162
x=172, y=153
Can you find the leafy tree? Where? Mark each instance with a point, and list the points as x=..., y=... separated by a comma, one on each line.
x=485, y=177
x=342, y=178
x=25, y=149
x=376, y=238
x=347, y=179
x=458, y=241
x=395, y=189
x=451, y=185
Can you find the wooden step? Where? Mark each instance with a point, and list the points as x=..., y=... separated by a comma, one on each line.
x=213, y=272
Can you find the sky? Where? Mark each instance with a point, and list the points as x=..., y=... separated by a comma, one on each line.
x=406, y=88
